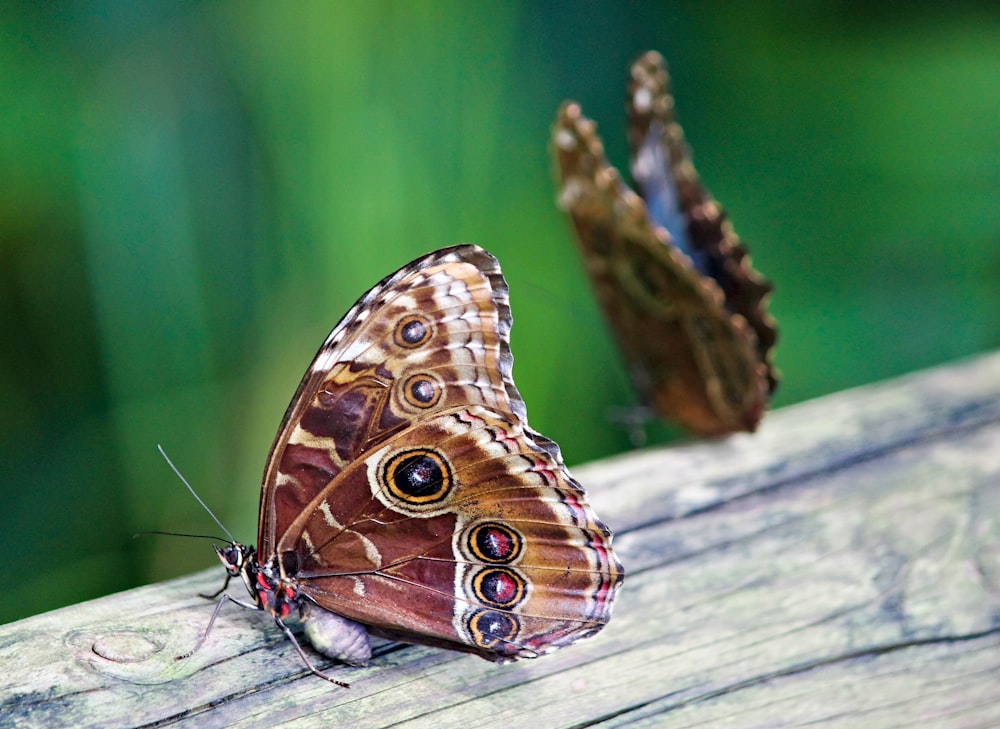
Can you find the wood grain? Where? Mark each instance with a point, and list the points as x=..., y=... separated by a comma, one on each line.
x=840, y=568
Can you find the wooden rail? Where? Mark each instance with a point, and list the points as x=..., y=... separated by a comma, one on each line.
x=840, y=568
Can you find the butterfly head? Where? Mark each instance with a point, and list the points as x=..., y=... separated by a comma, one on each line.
x=238, y=559
x=235, y=557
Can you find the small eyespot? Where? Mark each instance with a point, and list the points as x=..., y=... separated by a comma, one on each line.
x=412, y=331
x=422, y=391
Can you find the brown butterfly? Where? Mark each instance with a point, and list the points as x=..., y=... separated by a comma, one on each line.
x=674, y=280
x=405, y=494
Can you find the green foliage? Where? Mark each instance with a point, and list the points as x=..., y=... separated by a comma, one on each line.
x=194, y=192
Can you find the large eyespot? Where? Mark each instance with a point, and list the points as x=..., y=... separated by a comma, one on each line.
x=422, y=390
x=418, y=476
x=499, y=587
x=494, y=542
x=493, y=629
x=412, y=331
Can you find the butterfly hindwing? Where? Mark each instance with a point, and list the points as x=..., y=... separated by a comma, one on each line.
x=459, y=523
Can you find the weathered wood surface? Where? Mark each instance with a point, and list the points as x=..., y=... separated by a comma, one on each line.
x=841, y=568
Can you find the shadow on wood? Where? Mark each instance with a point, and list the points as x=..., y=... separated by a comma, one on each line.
x=839, y=568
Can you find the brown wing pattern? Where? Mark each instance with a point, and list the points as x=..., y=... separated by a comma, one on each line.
x=673, y=279
x=717, y=250
x=405, y=490
x=460, y=531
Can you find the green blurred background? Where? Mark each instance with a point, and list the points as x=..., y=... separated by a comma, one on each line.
x=192, y=193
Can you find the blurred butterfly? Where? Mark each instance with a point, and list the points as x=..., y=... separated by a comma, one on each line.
x=682, y=300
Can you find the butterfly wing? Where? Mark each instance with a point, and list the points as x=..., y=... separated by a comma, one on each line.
x=461, y=531
x=662, y=268
x=406, y=491
x=676, y=200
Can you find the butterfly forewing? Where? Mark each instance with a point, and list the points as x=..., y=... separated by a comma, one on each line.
x=431, y=335
x=705, y=233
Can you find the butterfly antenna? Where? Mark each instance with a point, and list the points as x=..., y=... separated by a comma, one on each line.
x=149, y=532
x=193, y=493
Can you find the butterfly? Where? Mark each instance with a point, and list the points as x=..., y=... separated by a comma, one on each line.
x=406, y=496
x=676, y=285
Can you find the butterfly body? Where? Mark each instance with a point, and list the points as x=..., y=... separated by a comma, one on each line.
x=406, y=495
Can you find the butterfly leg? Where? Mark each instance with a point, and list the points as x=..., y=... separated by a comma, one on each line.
x=226, y=597
x=304, y=657
x=214, y=595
